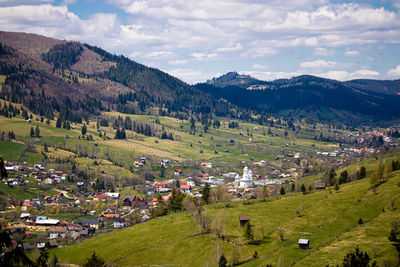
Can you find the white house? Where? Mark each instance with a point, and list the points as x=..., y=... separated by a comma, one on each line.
x=56, y=232
x=119, y=223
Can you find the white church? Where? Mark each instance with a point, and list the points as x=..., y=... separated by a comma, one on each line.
x=246, y=180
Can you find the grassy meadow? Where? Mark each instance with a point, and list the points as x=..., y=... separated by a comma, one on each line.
x=328, y=218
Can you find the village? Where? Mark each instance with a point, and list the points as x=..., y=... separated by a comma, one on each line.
x=73, y=211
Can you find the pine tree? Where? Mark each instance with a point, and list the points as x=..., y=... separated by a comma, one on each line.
x=206, y=193
x=283, y=192
x=356, y=258
x=123, y=134
x=117, y=134
x=248, y=232
x=37, y=132
x=361, y=173
x=303, y=188
x=162, y=172
x=3, y=171
x=222, y=261
x=58, y=123
x=32, y=132
x=42, y=259
x=95, y=261
x=84, y=129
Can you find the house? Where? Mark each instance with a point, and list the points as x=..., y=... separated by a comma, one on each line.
x=56, y=232
x=84, y=232
x=186, y=188
x=119, y=223
x=51, y=244
x=40, y=246
x=74, y=228
x=110, y=215
x=134, y=201
x=47, y=180
x=39, y=167
x=304, y=243
x=261, y=163
x=206, y=165
x=100, y=196
x=74, y=235
x=25, y=216
x=91, y=223
x=243, y=220
x=166, y=162
x=178, y=172
x=45, y=221
x=320, y=186
x=138, y=164
x=191, y=183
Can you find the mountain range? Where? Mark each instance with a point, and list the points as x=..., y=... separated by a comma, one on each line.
x=310, y=96
x=74, y=81
x=77, y=80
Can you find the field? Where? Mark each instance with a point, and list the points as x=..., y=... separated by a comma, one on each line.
x=223, y=146
x=328, y=218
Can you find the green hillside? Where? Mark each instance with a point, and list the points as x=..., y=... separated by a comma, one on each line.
x=328, y=218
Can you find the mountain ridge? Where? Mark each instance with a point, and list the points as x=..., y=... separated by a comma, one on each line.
x=75, y=81
x=78, y=80
x=311, y=96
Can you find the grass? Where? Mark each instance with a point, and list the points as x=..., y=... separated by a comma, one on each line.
x=11, y=151
x=329, y=219
x=27, y=191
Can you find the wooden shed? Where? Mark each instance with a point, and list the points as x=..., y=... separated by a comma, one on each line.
x=243, y=220
x=304, y=243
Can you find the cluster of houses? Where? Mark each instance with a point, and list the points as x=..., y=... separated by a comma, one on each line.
x=50, y=176
x=236, y=184
x=58, y=230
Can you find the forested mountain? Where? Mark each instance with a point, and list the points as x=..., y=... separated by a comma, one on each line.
x=310, y=96
x=74, y=81
x=78, y=80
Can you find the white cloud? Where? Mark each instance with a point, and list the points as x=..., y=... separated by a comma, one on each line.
x=189, y=75
x=321, y=51
x=394, y=73
x=352, y=53
x=340, y=75
x=158, y=54
x=178, y=62
x=259, y=66
x=367, y=73
x=232, y=31
x=23, y=2
x=260, y=52
x=317, y=64
x=58, y=22
x=235, y=48
x=203, y=56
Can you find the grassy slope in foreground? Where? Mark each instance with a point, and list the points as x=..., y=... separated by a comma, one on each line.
x=329, y=220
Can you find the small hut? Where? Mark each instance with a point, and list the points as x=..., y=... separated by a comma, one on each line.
x=304, y=243
x=243, y=220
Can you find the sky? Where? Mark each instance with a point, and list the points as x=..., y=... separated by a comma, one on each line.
x=196, y=40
